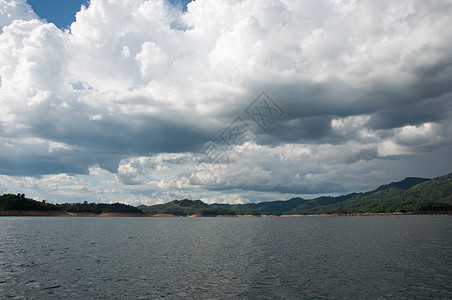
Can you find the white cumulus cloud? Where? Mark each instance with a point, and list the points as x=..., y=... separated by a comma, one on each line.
x=134, y=91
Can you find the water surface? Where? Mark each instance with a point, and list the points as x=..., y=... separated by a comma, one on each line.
x=368, y=257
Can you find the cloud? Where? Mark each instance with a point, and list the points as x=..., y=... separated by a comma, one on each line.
x=15, y=10
x=139, y=89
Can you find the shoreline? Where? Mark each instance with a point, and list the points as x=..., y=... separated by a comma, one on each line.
x=35, y=213
x=40, y=213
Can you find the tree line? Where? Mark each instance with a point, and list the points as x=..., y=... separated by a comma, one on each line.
x=20, y=202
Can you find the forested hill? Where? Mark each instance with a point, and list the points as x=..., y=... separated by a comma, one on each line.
x=411, y=195
x=405, y=184
x=20, y=203
x=278, y=207
x=186, y=208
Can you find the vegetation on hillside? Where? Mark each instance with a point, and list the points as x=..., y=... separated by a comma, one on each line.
x=99, y=208
x=263, y=208
x=186, y=208
x=411, y=195
x=20, y=202
x=408, y=196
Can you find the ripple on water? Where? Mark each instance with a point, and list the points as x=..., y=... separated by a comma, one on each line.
x=229, y=258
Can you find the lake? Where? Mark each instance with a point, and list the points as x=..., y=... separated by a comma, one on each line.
x=362, y=257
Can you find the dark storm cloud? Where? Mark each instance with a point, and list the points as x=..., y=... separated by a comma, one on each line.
x=359, y=84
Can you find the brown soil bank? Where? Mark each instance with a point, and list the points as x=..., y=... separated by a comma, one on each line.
x=36, y=213
x=164, y=215
x=117, y=214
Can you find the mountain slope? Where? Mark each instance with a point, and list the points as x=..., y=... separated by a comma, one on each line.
x=267, y=208
x=405, y=184
x=409, y=195
x=185, y=208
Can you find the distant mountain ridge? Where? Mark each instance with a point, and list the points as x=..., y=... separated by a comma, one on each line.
x=186, y=207
x=410, y=195
x=404, y=184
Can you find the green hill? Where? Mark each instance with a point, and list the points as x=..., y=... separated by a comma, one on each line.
x=405, y=184
x=411, y=195
x=266, y=208
x=186, y=208
x=21, y=203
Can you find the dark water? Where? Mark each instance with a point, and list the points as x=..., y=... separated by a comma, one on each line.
x=373, y=257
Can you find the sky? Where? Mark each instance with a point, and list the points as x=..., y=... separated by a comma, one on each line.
x=60, y=13
x=143, y=102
